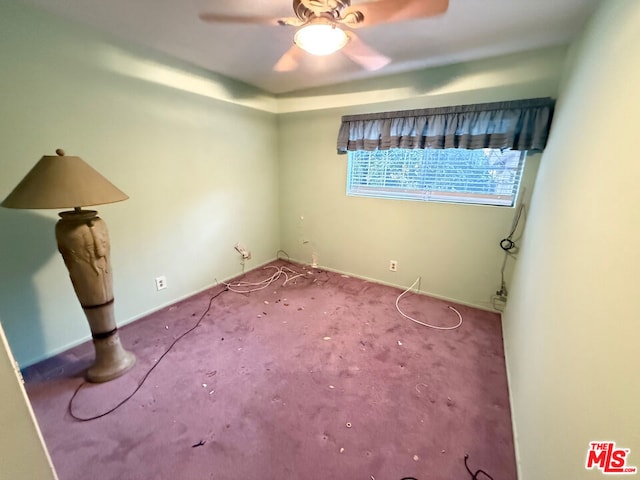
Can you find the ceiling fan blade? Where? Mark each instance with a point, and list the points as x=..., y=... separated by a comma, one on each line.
x=252, y=19
x=363, y=54
x=290, y=60
x=389, y=11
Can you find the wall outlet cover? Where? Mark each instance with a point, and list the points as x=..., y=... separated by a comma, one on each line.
x=161, y=282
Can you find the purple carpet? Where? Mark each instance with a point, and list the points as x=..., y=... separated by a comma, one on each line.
x=316, y=378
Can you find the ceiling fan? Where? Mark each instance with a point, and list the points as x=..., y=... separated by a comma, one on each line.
x=324, y=26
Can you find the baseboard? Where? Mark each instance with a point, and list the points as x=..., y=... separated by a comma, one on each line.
x=121, y=323
x=401, y=287
x=162, y=306
x=514, y=429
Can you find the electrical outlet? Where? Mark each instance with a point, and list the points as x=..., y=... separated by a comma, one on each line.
x=161, y=282
x=393, y=265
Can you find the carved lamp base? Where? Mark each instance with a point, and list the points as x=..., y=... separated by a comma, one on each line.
x=112, y=360
x=83, y=241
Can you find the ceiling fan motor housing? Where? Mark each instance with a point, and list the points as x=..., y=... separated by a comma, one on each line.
x=305, y=10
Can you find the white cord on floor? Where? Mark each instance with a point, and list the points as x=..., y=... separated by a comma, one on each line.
x=418, y=321
x=248, y=287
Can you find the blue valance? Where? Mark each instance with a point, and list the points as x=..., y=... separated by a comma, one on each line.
x=516, y=125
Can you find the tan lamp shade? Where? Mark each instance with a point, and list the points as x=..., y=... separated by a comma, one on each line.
x=60, y=181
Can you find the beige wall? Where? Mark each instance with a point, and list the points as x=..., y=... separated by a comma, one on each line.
x=22, y=451
x=195, y=152
x=167, y=135
x=453, y=248
x=572, y=325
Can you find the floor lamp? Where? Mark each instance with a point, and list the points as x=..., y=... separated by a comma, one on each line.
x=61, y=181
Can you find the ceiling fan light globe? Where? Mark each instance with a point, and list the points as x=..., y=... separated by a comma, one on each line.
x=320, y=39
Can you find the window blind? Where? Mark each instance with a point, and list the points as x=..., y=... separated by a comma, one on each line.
x=487, y=176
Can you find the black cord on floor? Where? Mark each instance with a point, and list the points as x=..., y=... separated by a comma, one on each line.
x=146, y=375
x=474, y=476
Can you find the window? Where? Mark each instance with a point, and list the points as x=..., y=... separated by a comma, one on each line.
x=482, y=177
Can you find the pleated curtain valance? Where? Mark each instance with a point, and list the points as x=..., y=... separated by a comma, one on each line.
x=516, y=125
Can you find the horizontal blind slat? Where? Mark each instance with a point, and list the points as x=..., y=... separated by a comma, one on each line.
x=465, y=176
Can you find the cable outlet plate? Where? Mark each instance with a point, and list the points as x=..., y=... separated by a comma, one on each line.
x=161, y=282
x=393, y=265
x=246, y=254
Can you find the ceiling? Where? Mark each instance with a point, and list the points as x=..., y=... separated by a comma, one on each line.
x=470, y=29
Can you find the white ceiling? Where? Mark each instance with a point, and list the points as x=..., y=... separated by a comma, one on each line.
x=470, y=29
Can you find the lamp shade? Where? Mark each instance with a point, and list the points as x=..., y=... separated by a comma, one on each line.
x=61, y=181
